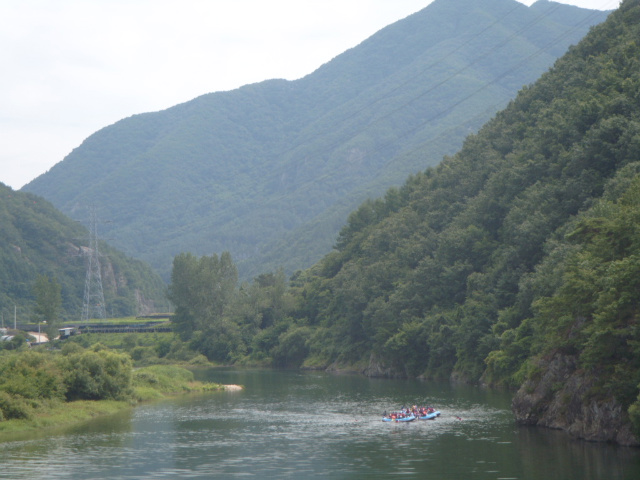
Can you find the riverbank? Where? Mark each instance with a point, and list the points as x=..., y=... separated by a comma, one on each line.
x=564, y=397
x=148, y=384
x=60, y=415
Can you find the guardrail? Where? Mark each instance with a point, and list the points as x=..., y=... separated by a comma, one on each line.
x=106, y=327
x=123, y=328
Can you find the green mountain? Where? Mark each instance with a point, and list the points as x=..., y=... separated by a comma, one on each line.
x=270, y=171
x=514, y=262
x=36, y=239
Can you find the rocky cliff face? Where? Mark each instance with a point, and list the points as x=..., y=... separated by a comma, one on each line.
x=561, y=397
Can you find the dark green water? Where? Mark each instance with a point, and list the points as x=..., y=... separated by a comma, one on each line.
x=311, y=425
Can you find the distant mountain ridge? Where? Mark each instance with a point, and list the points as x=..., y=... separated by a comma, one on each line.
x=270, y=171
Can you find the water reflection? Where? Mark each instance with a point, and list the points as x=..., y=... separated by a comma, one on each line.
x=311, y=425
x=544, y=452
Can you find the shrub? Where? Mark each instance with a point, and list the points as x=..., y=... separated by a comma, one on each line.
x=142, y=353
x=71, y=347
x=163, y=347
x=13, y=407
x=97, y=375
x=18, y=342
x=180, y=352
x=199, y=360
x=129, y=341
x=31, y=375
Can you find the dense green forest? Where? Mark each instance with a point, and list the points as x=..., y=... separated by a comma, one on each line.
x=37, y=242
x=270, y=171
x=521, y=249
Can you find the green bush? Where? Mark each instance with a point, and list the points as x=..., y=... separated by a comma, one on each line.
x=163, y=347
x=142, y=353
x=199, y=360
x=31, y=375
x=70, y=348
x=97, y=375
x=129, y=342
x=13, y=407
x=18, y=342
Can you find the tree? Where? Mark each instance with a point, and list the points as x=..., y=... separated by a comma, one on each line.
x=48, y=303
x=201, y=289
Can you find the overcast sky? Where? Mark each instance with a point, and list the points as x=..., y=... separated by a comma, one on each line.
x=71, y=67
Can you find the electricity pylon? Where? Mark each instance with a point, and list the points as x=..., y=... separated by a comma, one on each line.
x=93, y=303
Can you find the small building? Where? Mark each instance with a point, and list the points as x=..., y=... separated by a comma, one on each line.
x=66, y=332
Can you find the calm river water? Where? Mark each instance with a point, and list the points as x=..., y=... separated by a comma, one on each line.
x=309, y=425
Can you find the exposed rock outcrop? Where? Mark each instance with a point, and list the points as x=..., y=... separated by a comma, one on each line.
x=377, y=368
x=561, y=397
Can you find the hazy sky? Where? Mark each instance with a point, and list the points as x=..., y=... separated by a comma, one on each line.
x=71, y=67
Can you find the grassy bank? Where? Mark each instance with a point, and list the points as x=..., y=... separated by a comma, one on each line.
x=148, y=383
x=58, y=416
x=160, y=381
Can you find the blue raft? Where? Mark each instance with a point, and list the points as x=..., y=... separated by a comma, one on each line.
x=398, y=417
x=429, y=416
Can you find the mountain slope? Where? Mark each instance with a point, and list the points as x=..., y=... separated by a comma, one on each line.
x=269, y=171
x=36, y=239
x=515, y=261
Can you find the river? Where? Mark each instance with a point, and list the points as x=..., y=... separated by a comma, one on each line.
x=297, y=425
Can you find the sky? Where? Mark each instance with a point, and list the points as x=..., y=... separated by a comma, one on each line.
x=72, y=67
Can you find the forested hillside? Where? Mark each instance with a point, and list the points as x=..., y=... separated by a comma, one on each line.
x=270, y=171
x=37, y=240
x=518, y=254
x=514, y=262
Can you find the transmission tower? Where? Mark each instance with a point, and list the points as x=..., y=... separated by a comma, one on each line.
x=93, y=303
